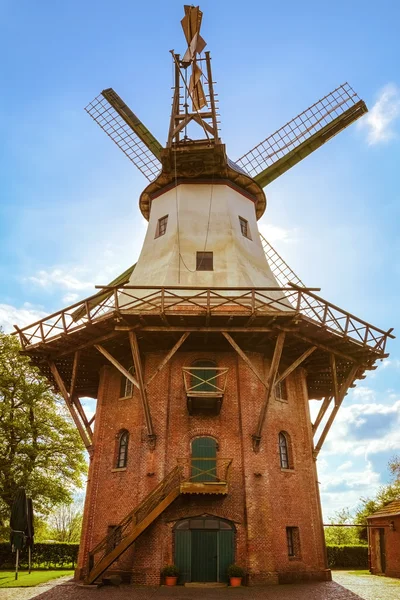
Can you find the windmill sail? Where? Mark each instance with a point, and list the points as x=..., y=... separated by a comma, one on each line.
x=280, y=269
x=304, y=134
x=127, y=131
x=191, y=24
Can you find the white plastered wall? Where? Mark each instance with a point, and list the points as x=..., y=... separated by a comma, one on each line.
x=238, y=261
x=202, y=217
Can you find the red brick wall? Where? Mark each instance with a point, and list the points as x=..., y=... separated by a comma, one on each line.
x=392, y=545
x=262, y=501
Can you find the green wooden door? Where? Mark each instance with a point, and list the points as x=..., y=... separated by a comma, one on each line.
x=204, y=555
x=204, y=463
x=183, y=555
x=226, y=553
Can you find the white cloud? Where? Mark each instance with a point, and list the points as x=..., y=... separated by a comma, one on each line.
x=73, y=279
x=379, y=122
x=344, y=439
x=346, y=465
x=11, y=315
x=274, y=233
x=70, y=298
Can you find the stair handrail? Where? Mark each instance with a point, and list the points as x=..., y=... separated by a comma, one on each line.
x=139, y=513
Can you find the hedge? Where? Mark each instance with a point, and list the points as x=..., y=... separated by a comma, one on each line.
x=347, y=557
x=45, y=555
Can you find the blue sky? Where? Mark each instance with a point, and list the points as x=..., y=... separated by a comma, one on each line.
x=69, y=217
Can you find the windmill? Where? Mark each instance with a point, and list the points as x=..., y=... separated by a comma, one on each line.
x=183, y=158
x=212, y=333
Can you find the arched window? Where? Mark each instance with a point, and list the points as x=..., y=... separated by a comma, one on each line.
x=122, y=454
x=126, y=390
x=204, y=459
x=204, y=376
x=285, y=451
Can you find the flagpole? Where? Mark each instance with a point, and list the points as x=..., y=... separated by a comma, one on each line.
x=16, y=565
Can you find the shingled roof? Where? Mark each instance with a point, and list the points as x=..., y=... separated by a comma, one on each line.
x=390, y=510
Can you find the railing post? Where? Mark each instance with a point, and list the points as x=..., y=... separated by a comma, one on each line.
x=63, y=321
x=162, y=300
x=298, y=305
x=42, y=331
x=116, y=303
x=87, y=308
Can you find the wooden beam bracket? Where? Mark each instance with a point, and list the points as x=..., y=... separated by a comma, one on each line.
x=268, y=382
x=151, y=436
x=71, y=407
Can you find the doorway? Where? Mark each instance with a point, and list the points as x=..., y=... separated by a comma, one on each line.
x=204, y=548
x=380, y=550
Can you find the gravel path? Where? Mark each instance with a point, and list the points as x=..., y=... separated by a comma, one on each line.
x=344, y=587
x=369, y=587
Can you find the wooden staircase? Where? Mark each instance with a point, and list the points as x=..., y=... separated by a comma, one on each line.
x=107, y=551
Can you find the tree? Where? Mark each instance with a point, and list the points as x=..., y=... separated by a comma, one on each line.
x=40, y=448
x=385, y=494
x=65, y=523
x=339, y=535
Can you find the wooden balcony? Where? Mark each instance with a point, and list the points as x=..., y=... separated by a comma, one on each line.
x=205, y=475
x=205, y=388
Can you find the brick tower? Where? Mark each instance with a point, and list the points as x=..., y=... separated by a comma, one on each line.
x=203, y=357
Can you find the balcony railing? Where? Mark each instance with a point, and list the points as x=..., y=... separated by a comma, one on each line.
x=205, y=381
x=218, y=301
x=205, y=475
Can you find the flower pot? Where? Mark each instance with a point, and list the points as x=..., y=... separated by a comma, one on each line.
x=170, y=580
x=235, y=581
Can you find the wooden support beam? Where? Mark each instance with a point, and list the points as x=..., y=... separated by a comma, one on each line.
x=268, y=383
x=295, y=364
x=92, y=419
x=167, y=358
x=335, y=384
x=74, y=373
x=321, y=346
x=72, y=409
x=183, y=328
x=321, y=413
x=75, y=400
x=143, y=394
x=269, y=387
x=117, y=365
x=343, y=390
x=244, y=357
x=90, y=343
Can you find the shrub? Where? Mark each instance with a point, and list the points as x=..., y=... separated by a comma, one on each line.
x=235, y=571
x=170, y=571
x=45, y=555
x=347, y=557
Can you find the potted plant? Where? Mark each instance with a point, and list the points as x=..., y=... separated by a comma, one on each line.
x=170, y=573
x=235, y=574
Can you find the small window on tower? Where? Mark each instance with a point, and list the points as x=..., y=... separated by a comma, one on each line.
x=204, y=261
x=244, y=226
x=126, y=388
x=293, y=542
x=281, y=392
x=161, y=226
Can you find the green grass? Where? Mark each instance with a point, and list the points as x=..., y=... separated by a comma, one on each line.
x=360, y=572
x=7, y=578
